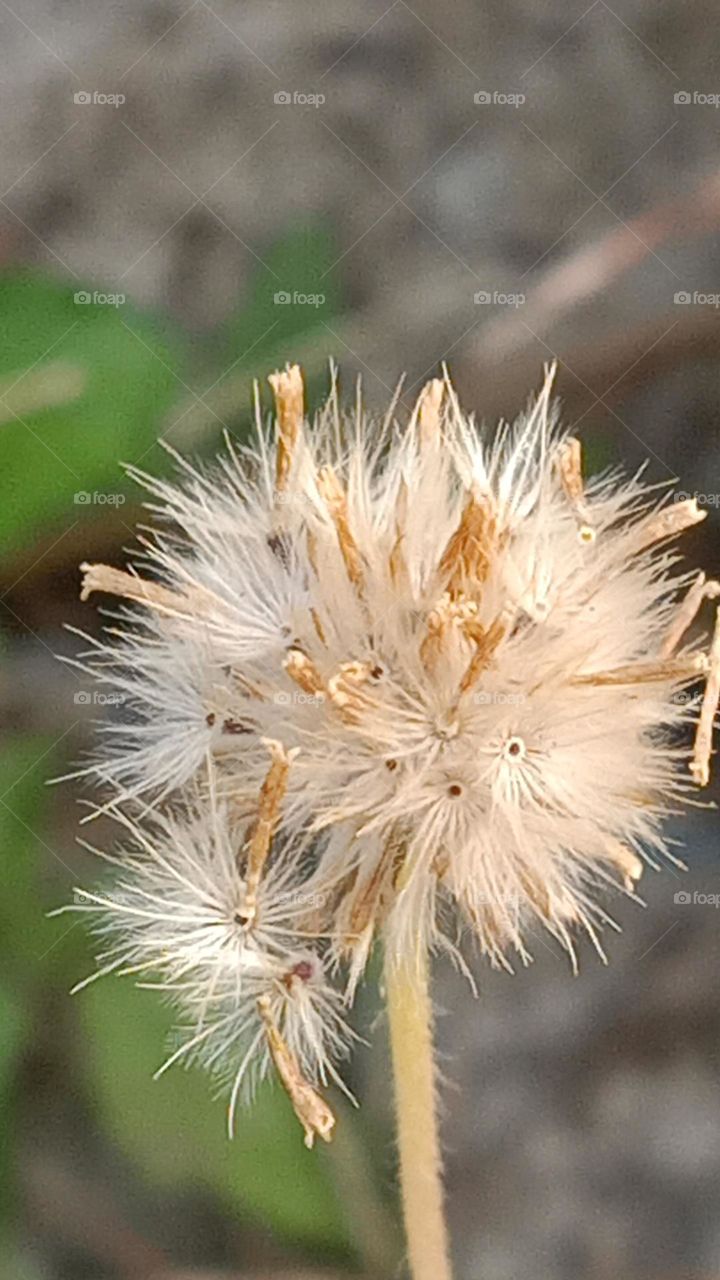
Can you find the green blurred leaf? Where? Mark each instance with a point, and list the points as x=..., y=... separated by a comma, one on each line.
x=19, y=1265
x=299, y=267
x=12, y=1034
x=109, y=375
x=264, y=334
x=22, y=924
x=176, y=1133
x=13, y=1031
x=25, y=932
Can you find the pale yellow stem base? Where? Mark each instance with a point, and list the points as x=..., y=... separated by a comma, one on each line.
x=411, y=1040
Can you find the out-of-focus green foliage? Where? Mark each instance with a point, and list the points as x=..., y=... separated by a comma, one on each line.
x=13, y=1025
x=87, y=385
x=25, y=932
x=266, y=333
x=25, y=935
x=299, y=268
x=172, y=1129
x=112, y=376
x=177, y=1134
x=17, y=1265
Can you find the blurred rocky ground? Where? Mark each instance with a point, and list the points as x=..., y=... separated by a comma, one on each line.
x=176, y=195
x=581, y=1113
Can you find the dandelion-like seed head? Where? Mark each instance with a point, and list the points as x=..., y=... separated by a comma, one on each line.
x=388, y=682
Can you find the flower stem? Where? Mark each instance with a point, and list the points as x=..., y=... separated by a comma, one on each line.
x=411, y=1038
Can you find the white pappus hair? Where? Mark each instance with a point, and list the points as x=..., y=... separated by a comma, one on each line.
x=385, y=682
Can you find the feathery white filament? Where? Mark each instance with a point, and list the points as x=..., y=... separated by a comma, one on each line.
x=471, y=664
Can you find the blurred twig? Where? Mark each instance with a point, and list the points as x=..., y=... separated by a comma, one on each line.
x=602, y=371
x=505, y=355
x=592, y=269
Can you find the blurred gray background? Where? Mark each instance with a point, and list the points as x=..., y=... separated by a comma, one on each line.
x=494, y=185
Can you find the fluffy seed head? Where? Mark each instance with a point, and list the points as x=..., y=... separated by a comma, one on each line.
x=396, y=682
